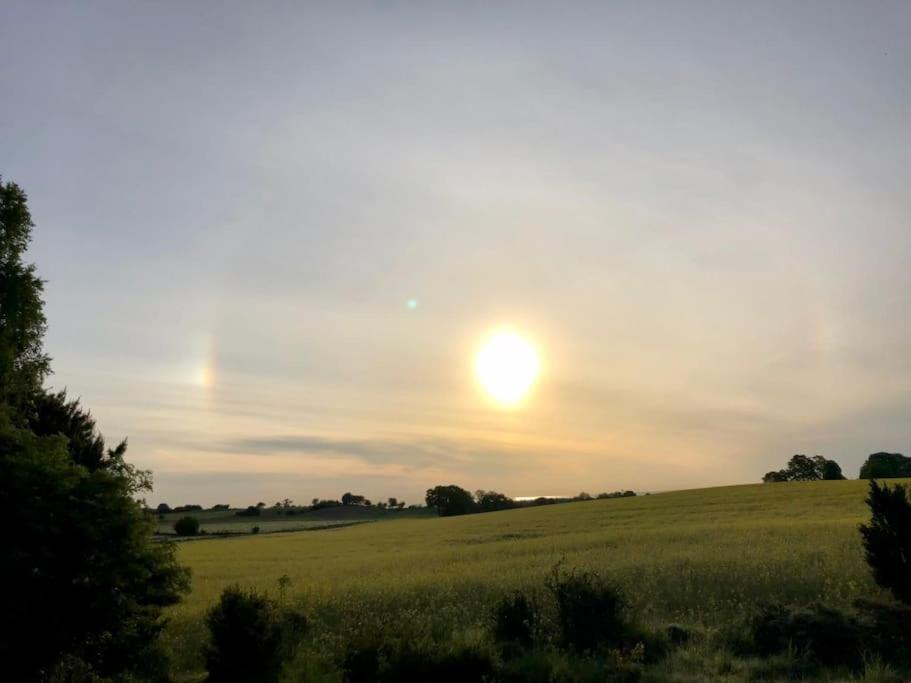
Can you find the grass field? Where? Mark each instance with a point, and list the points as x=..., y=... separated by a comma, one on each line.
x=271, y=520
x=701, y=558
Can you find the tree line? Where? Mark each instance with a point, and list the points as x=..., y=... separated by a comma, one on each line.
x=804, y=468
x=450, y=500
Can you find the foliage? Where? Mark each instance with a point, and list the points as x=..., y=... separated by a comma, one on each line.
x=23, y=363
x=886, y=466
x=616, y=494
x=516, y=620
x=82, y=585
x=80, y=576
x=489, y=501
x=589, y=609
x=353, y=499
x=186, y=526
x=397, y=661
x=803, y=468
x=249, y=511
x=250, y=637
x=449, y=500
x=887, y=539
x=827, y=635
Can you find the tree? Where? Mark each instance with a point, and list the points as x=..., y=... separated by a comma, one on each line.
x=23, y=363
x=81, y=579
x=775, y=476
x=887, y=539
x=449, y=500
x=186, y=526
x=803, y=468
x=163, y=508
x=353, y=499
x=886, y=466
x=489, y=501
x=831, y=470
x=392, y=502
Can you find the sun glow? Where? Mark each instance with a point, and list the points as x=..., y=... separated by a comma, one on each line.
x=507, y=367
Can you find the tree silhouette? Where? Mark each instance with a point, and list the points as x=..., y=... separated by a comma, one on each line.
x=887, y=539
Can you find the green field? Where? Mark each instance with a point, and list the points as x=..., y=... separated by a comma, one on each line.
x=702, y=558
x=271, y=520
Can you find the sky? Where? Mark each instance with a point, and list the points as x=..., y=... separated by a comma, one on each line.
x=698, y=213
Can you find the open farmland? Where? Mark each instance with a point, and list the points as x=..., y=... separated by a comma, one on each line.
x=272, y=519
x=702, y=558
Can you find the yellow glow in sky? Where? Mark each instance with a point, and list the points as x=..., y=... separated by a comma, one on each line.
x=507, y=367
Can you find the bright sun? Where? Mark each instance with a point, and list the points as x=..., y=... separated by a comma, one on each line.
x=507, y=367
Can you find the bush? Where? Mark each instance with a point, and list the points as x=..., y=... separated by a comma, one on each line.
x=516, y=620
x=395, y=662
x=254, y=530
x=589, y=610
x=820, y=633
x=250, y=637
x=887, y=539
x=186, y=526
x=889, y=630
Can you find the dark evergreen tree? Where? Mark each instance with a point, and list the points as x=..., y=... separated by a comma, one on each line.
x=82, y=586
x=887, y=539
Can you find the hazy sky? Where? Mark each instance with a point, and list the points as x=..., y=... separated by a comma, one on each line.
x=699, y=212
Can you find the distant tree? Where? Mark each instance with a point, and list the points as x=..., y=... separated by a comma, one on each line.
x=449, y=500
x=186, y=526
x=804, y=468
x=488, y=501
x=775, y=476
x=402, y=504
x=221, y=507
x=314, y=502
x=249, y=511
x=886, y=466
x=381, y=505
x=261, y=504
x=393, y=502
x=583, y=496
x=353, y=499
x=831, y=470
x=887, y=539
x=163, y=508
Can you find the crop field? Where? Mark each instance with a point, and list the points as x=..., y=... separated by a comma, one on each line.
x=700, y=558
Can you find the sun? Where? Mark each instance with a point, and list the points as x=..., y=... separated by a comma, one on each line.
x=507, y=367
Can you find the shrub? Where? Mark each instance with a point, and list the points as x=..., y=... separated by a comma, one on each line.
x=821, y=633
x=254, y=530
x=250, y=637
x=516, y=620
x=395, y=662
x=186, y=526
x=887, y=539
x=889, y=630
x=589, y=610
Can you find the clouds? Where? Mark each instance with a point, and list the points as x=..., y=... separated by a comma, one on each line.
x=697, y=212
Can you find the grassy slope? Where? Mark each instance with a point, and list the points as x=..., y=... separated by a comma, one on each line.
x=697, y=557
x=270, y=520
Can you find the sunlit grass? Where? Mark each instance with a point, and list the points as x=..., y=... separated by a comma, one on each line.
x=700, y=557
